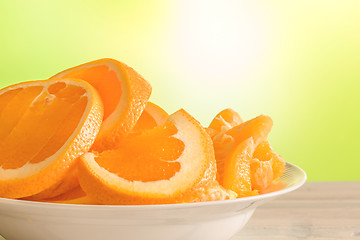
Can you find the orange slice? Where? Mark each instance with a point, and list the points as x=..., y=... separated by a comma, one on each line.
x=257, y=128
x=45, y=127
x=152, y=116
x=124, y=94
x=69, y=182
x=170, y=163
x=75, y=196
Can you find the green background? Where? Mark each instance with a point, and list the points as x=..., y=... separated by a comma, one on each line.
x=297, y=61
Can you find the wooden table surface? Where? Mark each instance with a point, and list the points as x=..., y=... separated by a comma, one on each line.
x=318, y=210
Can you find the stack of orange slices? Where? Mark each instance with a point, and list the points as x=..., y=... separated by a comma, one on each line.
x=89, y=135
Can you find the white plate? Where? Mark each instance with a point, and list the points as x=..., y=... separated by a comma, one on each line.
x=25, y=220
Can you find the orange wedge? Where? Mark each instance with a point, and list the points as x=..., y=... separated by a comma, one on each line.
x=124, y=94
x=234, y=152
x=45, y=127
x=266, y=167
x=152, y=116
x=236, y=175
x=225, y=120
x=222, y=122
x=171, y=163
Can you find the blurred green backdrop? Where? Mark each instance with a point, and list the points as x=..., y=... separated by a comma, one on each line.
x=297, y=61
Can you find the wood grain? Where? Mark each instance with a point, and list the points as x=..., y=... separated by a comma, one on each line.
x=318, y=210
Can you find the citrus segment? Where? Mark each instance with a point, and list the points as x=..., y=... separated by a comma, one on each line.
x=264, y=152
x=236, y=176
x=124, y=94
x=46, y=125
x=225, y=120
x=164, y=164
x=261, y=174
x=266, y=167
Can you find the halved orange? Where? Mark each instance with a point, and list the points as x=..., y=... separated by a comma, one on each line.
x=152, y=116
x=45, y=127
x=124, y=94
x=170, y=163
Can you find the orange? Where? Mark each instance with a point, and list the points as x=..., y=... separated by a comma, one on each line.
x=152, y=116
x=45, y=127
x=236, y=175
x=264, y=152
x=261, y=174
x=225, y=120
x=257, y=128
x=123, y=92
x=221, y=123
x=266, y=167
x=75, y=196
x=69, y=182
x=171, y=163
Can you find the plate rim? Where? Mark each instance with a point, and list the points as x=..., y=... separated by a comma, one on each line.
x=164, y=206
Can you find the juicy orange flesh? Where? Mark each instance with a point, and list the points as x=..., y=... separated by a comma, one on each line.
x=264, y=152
x=225, y=119
x=105, y=81
x=146, y=121
x=150, y=156
x=38, y=122
x=237, y=170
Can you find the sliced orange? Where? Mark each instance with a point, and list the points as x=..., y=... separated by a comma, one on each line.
x=152, y=116
x=69, y=182
x=124, y=94
x=45, y=127
x=257, y=128
x=170, y=163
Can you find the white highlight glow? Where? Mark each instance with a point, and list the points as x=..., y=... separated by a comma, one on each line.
x=217, y=40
